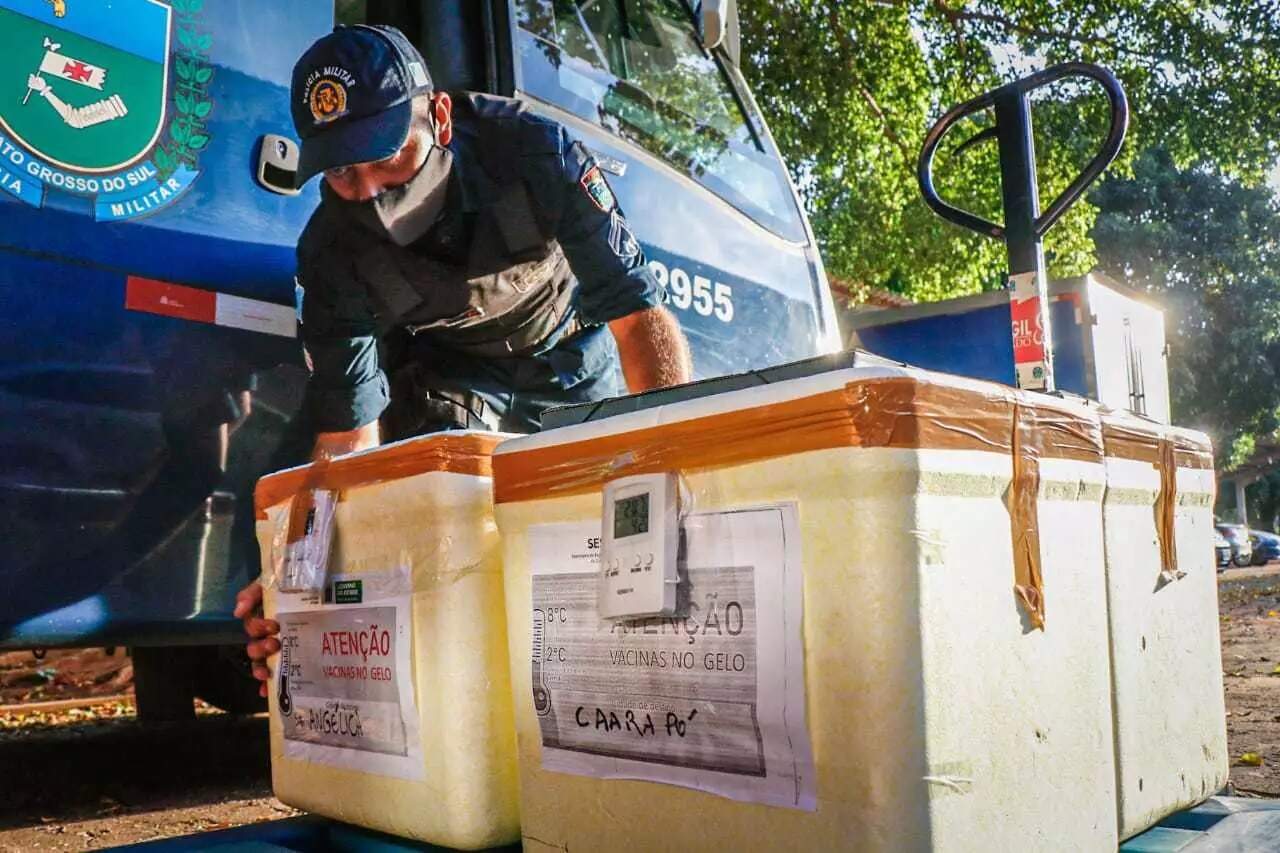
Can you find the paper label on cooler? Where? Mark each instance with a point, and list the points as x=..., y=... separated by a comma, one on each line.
x=305, y=561
x=342, y=681
x=712, y=698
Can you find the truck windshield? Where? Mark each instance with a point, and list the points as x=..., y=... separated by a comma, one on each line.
x=636, y=69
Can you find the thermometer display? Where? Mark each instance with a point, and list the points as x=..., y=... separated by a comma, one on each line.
x=631, y=516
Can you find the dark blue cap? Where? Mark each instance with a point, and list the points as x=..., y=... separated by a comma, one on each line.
x=352, y=97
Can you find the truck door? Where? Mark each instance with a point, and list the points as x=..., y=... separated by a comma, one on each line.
x=146, y=291
x=692, y=162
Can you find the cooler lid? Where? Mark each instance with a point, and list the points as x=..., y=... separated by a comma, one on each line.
x=453, y=452
x=562, y=416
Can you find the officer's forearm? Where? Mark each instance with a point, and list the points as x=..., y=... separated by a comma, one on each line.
x=653, y=350
x=330, y=444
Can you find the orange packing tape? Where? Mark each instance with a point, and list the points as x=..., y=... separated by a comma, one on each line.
x=1040, y=432
x=1166, y=508
x=1177, y=451
x=1024, y=521
x=1127, y=437
x=894, y=412
x=465, y=453
x=303, y=501
x=1192, y=451
x=889, y=412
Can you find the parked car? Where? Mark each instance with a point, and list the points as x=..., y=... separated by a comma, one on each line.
x=1221, y=550
x=1266, y=547
x=1238, y=536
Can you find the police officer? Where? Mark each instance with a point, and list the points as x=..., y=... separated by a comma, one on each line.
x=468, y=265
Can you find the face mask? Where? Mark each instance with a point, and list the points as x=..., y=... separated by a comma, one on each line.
x=407, y=212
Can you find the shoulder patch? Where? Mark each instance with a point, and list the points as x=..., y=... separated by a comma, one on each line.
x=597, y=189
x=621, y=240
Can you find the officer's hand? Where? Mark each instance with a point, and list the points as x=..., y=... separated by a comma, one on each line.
x=331, y=444
x=262, y=632
x=37, y=83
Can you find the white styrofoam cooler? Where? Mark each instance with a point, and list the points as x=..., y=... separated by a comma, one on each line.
x=1170, y=724
x=921, y=707
x=399, y=704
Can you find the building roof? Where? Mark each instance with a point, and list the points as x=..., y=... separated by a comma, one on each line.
x=862, y=295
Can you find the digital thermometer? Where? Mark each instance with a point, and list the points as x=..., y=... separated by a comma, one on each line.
x=638, y=547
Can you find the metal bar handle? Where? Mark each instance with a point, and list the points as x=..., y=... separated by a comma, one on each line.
x=1069, y=196
x=924, y=169
x=1110, y=147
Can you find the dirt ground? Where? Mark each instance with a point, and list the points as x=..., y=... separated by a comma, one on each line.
x=1249, y=602
x=85, y=778
x=63, y=674
x=97, y=778
x=88, y=778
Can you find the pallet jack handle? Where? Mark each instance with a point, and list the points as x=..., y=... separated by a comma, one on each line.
x=1025, y=226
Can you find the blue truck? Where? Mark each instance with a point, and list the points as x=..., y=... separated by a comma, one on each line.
x=150, y=368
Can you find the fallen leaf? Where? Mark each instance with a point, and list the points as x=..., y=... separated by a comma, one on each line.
x=1251, y=759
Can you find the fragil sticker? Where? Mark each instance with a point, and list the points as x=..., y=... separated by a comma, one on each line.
x=1032, y=348
x=107, y=102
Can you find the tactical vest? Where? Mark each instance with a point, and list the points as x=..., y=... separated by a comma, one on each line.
x=516, y=285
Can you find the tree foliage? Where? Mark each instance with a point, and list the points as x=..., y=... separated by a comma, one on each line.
x=1263, y=502
x=1209, y=248
x=850, y=89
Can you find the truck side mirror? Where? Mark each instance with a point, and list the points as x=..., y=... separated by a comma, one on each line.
x=719, y=23
x=278, y=164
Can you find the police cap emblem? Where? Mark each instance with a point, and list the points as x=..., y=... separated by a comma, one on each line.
x=328, y=100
